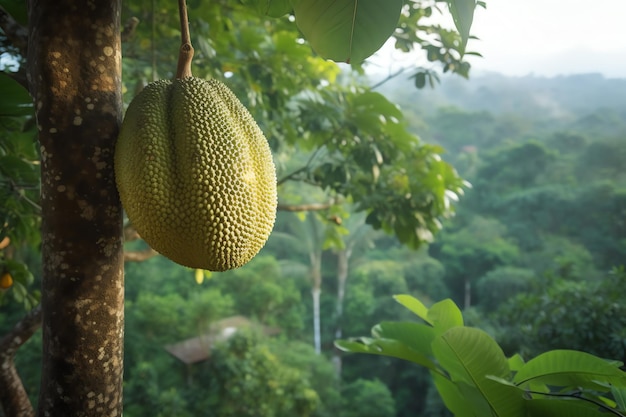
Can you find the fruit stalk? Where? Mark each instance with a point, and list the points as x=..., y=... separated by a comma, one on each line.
x=186, y=50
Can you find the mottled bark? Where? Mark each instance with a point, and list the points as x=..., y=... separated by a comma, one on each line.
x=13, y=397
x=75, y=78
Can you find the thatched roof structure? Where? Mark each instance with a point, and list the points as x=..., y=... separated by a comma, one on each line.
x=198, y=349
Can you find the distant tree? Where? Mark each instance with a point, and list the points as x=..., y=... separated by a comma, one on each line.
x=564, y=314
x=244, y=378
x=367, y=398
x=469, y=253
x=501, y=284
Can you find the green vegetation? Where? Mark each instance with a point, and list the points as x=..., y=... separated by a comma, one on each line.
x=474, y=377
x=526, y=233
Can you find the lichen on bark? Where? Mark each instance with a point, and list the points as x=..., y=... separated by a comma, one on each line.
x=75, y=79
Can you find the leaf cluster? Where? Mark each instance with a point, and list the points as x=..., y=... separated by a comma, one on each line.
x=475, y=378
x=19, y=189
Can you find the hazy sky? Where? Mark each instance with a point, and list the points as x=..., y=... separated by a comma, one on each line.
x=551, y=37
x=544, y=37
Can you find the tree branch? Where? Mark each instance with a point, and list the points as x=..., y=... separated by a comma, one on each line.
x=580, y=397
x=16, y=33
x=388, y=78
x=301, y=169
x=306, y=207
x=130, y=234
x=13, y=397
x=140, y=255
x=129, y=29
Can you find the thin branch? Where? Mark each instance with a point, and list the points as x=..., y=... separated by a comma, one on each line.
x=186, y=50
x=291, y=175
x=130, y=234
x=388, y=78
x=16, y=33
x=306, y=207
x=140, y=255
x=580, y=397
x=301, y=169
x=129, y=29
x=13, y=397
x=22, y=331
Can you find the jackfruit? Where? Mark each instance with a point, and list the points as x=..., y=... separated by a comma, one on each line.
x=195, y=174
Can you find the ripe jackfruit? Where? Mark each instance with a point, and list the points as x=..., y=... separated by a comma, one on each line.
x=195, y=174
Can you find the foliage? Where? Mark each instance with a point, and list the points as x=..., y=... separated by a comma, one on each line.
x=367, y=398
x=19, y=185
x=475, y=378
x=246, y=379
x=564, y=313
x=500, y=284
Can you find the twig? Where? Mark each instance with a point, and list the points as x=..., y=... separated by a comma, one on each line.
x=388, y=78
x=129, y=29
x=13, y=397
x=306, y=207
x=579, y=397
x=22, y=331
x=301, y=169
x=186, y=50
x=140, y=255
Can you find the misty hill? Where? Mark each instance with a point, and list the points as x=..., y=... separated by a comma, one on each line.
x=563, y=97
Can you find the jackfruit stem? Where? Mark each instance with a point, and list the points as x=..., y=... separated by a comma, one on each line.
x=186, y=50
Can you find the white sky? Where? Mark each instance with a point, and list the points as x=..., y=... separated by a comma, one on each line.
x=547, y=37
x=550, y=37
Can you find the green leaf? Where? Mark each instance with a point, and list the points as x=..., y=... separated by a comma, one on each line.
x=347, y=30
x=20, y=171
x=385, y=347
x=416, y=336
x=516, y=362
x=15, y=99
x=553, y=407
x=278, y=8
x=445, y=315
x=471, y=356
x=570, y=368
x=452, y=397
x=272, y=8
x=619, y=394
x=463, y=14
x=414, y=305
x=17, y=9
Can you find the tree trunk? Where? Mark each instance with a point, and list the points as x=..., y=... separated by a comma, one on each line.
x=317, y=339
x=343, y=257
x=316, y=272
x=468, y=293
x=74, y=66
